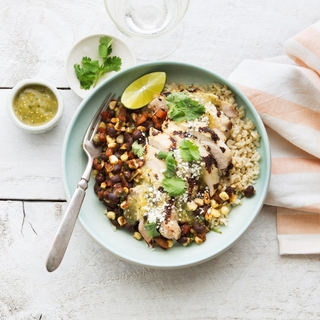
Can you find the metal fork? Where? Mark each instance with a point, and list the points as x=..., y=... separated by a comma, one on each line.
x=61, y=240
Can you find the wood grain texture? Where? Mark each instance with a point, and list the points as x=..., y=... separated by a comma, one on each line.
x=249, y=281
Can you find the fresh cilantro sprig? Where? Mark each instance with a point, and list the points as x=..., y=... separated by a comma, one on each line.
x=138, y=149
x=174, y=186
x=170, y=163
x=152, y=229
x=189, y=151
x=182, y=108
x=90, y=71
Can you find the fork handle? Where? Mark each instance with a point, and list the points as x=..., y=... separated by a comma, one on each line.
x=63, y=235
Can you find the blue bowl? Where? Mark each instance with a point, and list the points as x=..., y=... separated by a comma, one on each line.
x=120, y=242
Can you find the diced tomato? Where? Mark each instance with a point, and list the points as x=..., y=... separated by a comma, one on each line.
x=161, y=114
x=141, y=118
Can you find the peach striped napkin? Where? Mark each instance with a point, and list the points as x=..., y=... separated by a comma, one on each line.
x=286, y=92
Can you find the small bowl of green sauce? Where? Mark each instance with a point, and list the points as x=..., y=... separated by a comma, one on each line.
x=35, y=106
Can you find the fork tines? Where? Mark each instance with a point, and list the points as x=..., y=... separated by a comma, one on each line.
x=96, y=119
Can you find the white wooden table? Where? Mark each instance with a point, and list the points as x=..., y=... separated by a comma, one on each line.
x=250, y=281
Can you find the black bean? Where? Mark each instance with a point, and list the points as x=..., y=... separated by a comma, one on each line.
x=104, y=157
x=137, y=135
x=112, y=132
x=127, y=175
x=100, y=178
x=116, y=168
x=249, y=192
x=115, y=179
x=115, y=223
x=111, y=114
x=117, y=154
x=129, y=227
x=182, y=240
x=97, y=188
x=112, y=197
x=199, y=228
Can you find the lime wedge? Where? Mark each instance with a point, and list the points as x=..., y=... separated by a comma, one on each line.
x=141, y=91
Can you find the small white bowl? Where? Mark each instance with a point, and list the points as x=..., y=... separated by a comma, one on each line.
x=88, y=47
x=34, y=128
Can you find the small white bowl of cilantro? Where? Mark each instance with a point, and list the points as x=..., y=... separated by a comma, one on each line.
x=95, y=59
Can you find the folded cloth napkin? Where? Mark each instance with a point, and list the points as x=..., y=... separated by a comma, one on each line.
x=286, y=93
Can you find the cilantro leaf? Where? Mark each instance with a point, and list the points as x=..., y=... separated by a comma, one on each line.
x=152, y=229
x=90, y=71
x=182, y=108
x=87, y=73
x=189, y=151
x=138, y=149
x=105, y=47
x=171, y=165
x=174, y=186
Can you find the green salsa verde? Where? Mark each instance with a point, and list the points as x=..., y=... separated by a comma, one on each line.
x=35, y=105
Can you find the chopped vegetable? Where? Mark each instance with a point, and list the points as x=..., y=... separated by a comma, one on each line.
x=91, y=71
x=152, y=229
x=189, y=151
x=138, y=149
x=182, y=108
x=174, y=186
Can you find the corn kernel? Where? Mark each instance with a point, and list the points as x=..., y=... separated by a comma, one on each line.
x=215, y=213
x=224, y=210
x=112, y=104
x=214, y=204
x=208, y=215
x=137, y=235
x=120, y=138
x=111, y=215
x=113, y=159
x=170, y=243
x=122, y=221
x=192, y=206
x=110, y=139
x=112, y=145
x=198, y=240
x=103, y=185
x=199, y=202
x=124, y=204
x=124, y=156
x=102, y=125
x=223, y=196
x=206, y=198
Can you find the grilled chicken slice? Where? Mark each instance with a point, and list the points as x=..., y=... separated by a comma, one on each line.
x=219, y=150
x=153, y=166
x=210, y=173
x=144, y=232
x=161, y=141
x=158, y=103
x=170, y=228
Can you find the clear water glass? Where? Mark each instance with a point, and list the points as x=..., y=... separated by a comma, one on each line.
x=150, y=27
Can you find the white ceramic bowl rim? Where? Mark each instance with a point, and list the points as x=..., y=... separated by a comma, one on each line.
x=83, y=48
x=21, y=85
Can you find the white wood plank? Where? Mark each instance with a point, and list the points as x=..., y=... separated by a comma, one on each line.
x=37, y=35
x=249, y=281
x=30, y=165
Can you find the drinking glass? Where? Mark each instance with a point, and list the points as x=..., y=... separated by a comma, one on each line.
x=150, y=27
